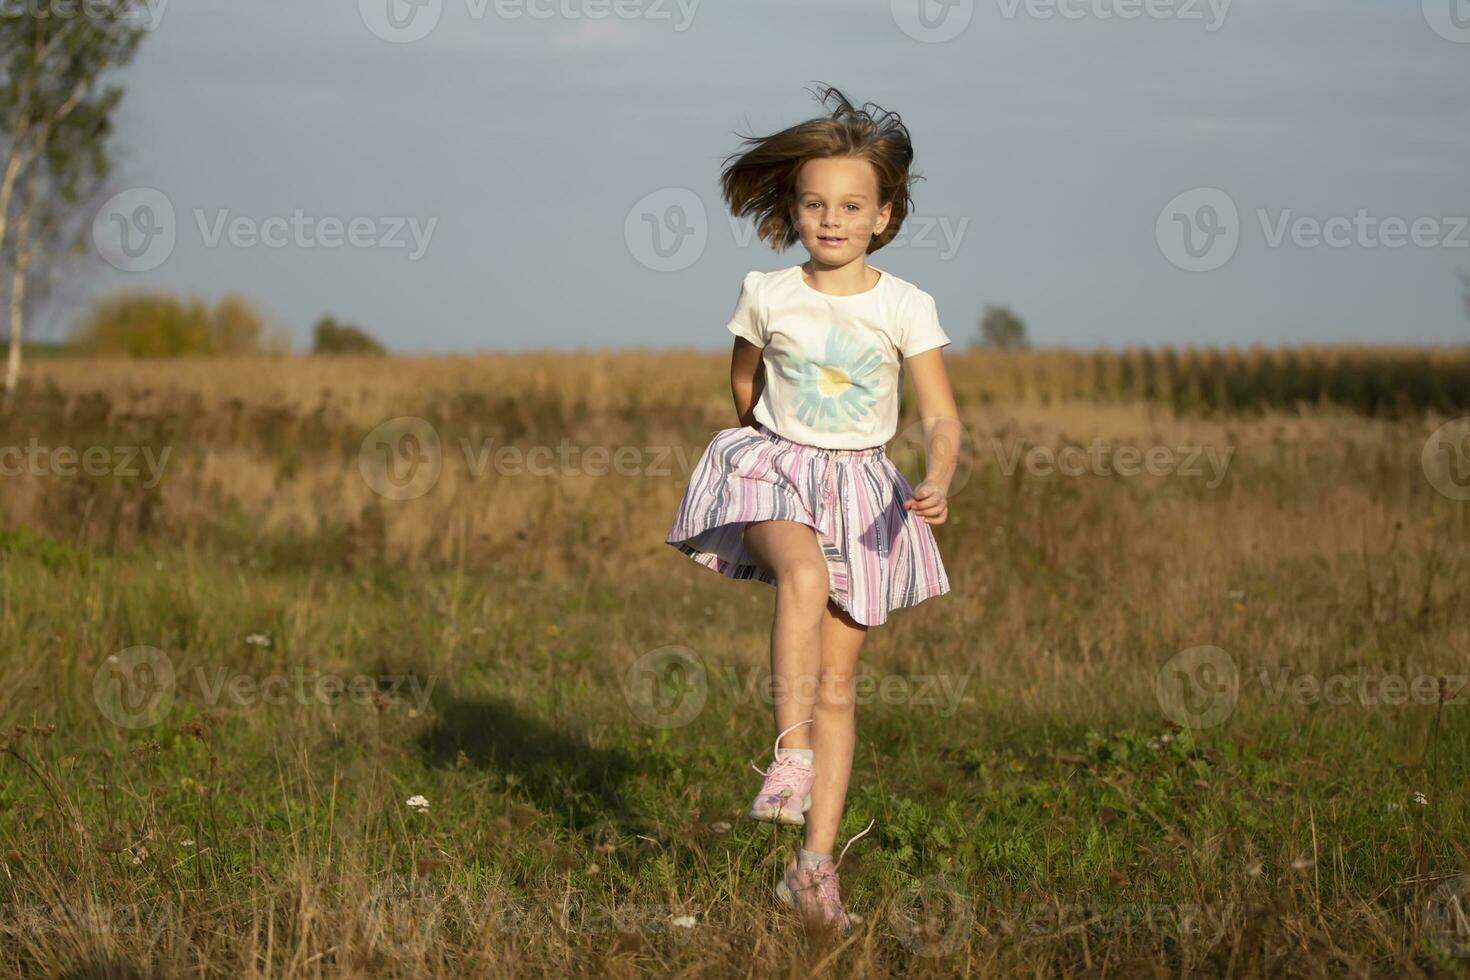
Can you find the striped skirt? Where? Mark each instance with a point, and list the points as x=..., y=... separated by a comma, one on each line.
x=879, y=555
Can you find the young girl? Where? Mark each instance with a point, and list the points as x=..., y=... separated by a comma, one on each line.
x=802, y=495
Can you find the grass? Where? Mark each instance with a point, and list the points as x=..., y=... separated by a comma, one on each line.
x=489, y=646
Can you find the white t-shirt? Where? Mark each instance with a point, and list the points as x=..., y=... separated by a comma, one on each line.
x=833, y=363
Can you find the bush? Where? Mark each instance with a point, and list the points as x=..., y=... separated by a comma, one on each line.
x=330, y=337
x=142, y=324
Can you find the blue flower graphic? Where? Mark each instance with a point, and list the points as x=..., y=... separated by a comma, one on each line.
x=841, y=388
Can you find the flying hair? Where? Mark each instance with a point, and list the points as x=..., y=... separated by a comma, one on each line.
x=759, y=180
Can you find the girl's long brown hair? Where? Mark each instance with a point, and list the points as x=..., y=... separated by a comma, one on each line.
x=759, y=181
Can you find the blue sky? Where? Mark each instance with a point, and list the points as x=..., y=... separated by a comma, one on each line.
x=538, y=146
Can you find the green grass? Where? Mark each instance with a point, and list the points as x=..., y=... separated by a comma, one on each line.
x=1036, y=807
x=1052, y=839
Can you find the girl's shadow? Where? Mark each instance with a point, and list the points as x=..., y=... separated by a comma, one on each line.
x=561, y=773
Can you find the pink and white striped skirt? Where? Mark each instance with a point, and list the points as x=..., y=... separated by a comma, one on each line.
x=879, y=555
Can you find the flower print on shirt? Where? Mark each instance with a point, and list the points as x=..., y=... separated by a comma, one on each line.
x=841, y=388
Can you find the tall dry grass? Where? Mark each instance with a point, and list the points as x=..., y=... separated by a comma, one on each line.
x=1060, y=823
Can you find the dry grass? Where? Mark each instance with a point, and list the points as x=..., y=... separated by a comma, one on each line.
x=1060, y=822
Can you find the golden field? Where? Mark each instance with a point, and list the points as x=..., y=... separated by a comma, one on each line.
x=1040, y=806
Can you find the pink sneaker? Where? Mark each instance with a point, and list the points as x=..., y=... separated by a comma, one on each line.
x=814, y=892
x=786, y=793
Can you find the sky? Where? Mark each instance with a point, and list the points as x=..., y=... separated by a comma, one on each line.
x=463, y=175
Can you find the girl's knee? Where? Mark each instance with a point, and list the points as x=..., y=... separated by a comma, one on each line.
x=835, y=689
x=806, y=580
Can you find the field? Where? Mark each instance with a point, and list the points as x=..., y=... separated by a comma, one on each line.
x=293, y=689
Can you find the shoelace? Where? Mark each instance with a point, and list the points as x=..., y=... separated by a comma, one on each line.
x=826, y=881
x=777, y=750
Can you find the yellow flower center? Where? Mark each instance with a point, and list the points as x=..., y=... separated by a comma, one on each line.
x=833, y=381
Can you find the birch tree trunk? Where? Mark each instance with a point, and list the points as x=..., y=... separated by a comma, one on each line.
x=18, y=288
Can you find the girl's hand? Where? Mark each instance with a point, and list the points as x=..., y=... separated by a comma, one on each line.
x=930, y=503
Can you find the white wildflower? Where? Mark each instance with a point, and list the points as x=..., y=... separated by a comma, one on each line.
x=418, y=803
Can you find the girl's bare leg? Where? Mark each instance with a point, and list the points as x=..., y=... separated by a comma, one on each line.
x=790, y=551
x=833, y=727
x=814, y=653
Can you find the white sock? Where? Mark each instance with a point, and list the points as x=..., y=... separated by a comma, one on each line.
x=810, y=859
x=804, y=754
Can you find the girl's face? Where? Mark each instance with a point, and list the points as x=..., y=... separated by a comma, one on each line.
x=837, y=209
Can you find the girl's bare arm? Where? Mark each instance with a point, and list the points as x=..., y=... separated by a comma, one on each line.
x=942, y=432
x=745, y=378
